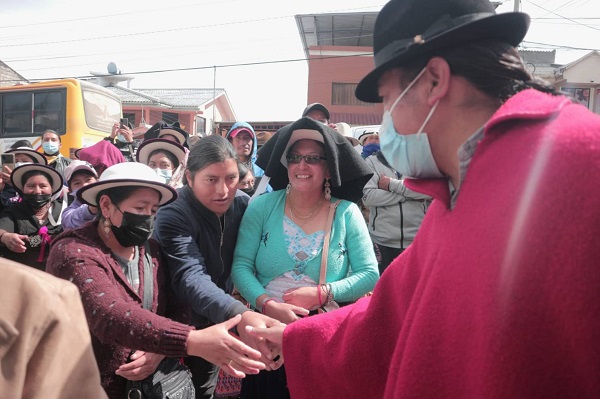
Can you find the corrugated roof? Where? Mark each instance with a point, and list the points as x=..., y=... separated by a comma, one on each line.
x=336, y=29
x=174, y=98
x=355, y=119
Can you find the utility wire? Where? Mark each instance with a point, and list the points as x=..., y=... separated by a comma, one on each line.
x=199, y=68
x=562, y=16
x=172, y=30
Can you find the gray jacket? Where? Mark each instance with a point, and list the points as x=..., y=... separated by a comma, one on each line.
x=395, y=215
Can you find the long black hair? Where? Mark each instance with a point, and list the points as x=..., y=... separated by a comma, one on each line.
x=493, y=67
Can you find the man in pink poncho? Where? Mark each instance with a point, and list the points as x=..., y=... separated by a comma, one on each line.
x=498, y=295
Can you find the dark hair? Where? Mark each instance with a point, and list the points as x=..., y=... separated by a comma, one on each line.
x=80, y=172
x=214, y=149
x=168, y=154
x=244, y=171
x=29, y=174
x=53, y=132
x=118, y=194
x=21, y=143
x=492, y=66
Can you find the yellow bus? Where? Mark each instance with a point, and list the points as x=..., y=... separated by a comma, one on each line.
x=82, y=113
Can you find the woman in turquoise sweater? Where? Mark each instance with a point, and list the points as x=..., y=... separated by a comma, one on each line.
x=277, y=260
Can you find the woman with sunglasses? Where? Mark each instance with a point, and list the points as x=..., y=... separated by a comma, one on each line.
x=277, y=260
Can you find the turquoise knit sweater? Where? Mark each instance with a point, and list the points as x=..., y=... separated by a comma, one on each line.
x=261, y=253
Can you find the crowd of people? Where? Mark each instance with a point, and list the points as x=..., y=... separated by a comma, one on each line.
x=435, y=260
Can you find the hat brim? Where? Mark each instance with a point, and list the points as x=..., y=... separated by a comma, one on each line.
x=17, y=175
x=181, y=138
x=89, y=193
x=352, y=141
x=38, y=158
x=510, y=27
x=239, y=130
x=316, y=107
x=297, y=135
x=80, y=168
x=149, y=146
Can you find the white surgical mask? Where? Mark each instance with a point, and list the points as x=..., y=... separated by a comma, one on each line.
x=50, y=147
x=122, y=138
x=164, y=173
x=17, y=164
x=409, y=154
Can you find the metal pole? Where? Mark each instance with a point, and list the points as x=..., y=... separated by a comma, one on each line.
x=517, y=5
x=214, y=103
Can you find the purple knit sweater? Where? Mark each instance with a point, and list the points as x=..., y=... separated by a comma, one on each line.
x=118, y=323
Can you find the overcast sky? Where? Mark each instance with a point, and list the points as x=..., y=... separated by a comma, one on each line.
x=63, y=38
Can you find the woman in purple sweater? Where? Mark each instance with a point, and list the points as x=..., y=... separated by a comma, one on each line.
x=107, y=259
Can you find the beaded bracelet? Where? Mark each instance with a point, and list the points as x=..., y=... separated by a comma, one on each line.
x=329, y=297
x=264, y=304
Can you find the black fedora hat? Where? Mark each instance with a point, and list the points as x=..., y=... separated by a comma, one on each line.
x=407, y=29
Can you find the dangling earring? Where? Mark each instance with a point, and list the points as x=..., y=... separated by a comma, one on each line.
x=106, y=227
x=327, y=190
x=288, y=188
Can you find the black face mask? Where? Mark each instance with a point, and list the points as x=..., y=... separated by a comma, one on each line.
x=134, y=230
x=36, y=200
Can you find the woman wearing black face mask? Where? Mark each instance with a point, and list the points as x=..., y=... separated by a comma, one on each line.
x=109, y=259
x=27, y=228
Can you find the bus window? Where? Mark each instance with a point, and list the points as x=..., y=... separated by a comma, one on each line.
x=100, y=110
x=16, y=111
x=49, y=108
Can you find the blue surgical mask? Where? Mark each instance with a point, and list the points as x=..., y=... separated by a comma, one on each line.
x=122, y=138
x=370, y=149
x=50, y=147
x=409, y=154
x=164, y=173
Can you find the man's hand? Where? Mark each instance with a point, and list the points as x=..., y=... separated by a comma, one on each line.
x=218, y=346
x=384, y=183
x=269, y=353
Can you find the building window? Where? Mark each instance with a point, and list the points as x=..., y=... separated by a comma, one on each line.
x=170, y=117
x=200, y=126
x=343, y=94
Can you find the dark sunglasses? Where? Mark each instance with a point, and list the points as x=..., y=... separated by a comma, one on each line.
x=309, y=159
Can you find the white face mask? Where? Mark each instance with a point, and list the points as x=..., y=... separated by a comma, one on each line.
x=409, y=154
x=17, y=164
x=122, y=138
x=166, y=174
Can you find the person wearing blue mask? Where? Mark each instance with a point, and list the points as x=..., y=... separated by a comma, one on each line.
x=51, y=144
x=165, y=157
x=497, y=296
x=369, y=140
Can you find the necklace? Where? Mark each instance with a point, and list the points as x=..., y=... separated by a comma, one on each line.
x=303, y=219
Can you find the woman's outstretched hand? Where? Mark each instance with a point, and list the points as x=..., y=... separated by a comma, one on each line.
x=216, y=345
